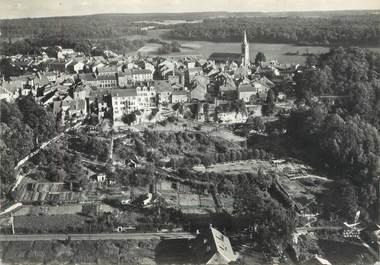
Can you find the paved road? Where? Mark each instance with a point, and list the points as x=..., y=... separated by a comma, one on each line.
x=102, y=236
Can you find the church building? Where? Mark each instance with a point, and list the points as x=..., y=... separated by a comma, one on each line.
x=239, y=58
x=245, y=50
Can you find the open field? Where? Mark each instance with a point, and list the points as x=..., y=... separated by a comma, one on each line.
x=227, y=135
x=56, y=210
x=272, y=51
x=53, y=223
x=290, y=169
x=149, y=48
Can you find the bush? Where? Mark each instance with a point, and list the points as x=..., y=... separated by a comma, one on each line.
x=129, y=118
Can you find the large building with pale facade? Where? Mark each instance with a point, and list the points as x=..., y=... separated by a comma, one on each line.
x=127, y=100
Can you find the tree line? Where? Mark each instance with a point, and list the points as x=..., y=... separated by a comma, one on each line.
x=351, y=76
x=255, y=210
x=95, y=47
x=80, y=27
x=361, y=29
x=24, y=125
x=341, y=134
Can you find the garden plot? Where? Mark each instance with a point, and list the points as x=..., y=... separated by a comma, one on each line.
x=195, y=204
x=228, y=135
x=184, y=199
x=235, y=168
x=297, y=179
x=57, y=210
x=54, y=223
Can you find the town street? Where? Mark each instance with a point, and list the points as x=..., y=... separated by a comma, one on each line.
x=100, y=236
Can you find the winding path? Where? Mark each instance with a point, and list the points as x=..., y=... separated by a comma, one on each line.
x=32, y=154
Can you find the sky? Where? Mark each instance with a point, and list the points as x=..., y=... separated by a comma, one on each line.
x=44, y=8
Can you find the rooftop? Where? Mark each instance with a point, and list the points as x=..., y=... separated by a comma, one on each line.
x=162, y=86
x=223, y=246
x=106, y=77
x=217, y=56
x=250, y=87
x=109, y=68
x=180, y=93
x=87, y=77
x=195, y=69
x=129, y=92
x=135, y=72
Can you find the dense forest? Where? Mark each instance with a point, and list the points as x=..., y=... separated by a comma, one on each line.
x=352, y=75
x=24, y=125
x=344, y=30
x=111, y=31
x=88, y=47
x=341, y=134
x=27, y=36
x=80, y=27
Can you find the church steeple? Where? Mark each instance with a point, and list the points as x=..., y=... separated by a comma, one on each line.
x=245, y=50
x=245, y=38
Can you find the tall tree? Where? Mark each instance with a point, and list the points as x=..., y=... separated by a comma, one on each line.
x=260, y=57
x=268, y=107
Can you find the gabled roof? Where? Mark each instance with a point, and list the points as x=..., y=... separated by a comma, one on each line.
x=80, y=88
x=9, y=87
x=180, y=93
x=177, y=87
x=195, y=69
x=223, y=246
x=109, y=68
x=21, y=78
x=48, y=97
x=129, y=92
x=200, y=80
x=50, y=74
x=241, y=71
x=225, y=56
x=78, y=104
x=87, y=77
x=135, y=72
x=212, y=72
x=106, y=77
x=252, y=87
x=162, y=86
x=213, y=247
x=4, y=91
x=227, y=87
x=265, y=81
x=141, y=71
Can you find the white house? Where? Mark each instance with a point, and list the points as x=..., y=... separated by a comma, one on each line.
x=127, y=100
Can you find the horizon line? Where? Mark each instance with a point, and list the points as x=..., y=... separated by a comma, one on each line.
x=194, y=12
